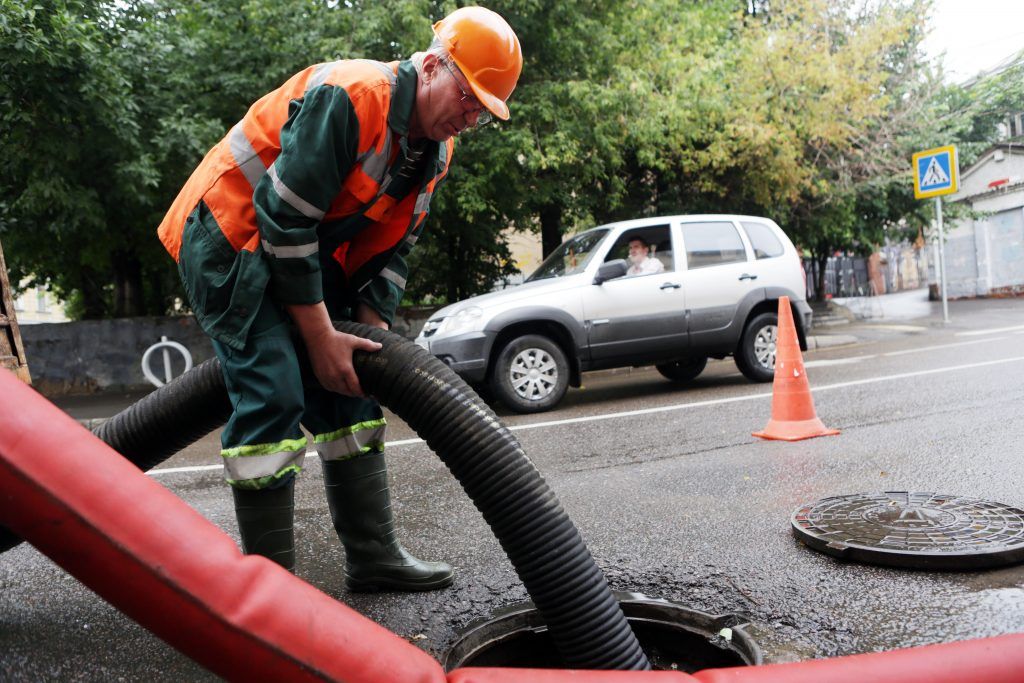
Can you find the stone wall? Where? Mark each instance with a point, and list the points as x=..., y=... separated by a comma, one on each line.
x=93, y=356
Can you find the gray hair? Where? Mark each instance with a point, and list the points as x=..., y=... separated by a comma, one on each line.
x=436, y=48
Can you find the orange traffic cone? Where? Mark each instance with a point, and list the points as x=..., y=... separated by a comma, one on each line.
x=793, y=416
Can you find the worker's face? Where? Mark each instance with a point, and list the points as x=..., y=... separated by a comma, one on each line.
x=445, y=105
x=637, y=251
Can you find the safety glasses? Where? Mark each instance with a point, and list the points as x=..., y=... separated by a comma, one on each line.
x=483, y=116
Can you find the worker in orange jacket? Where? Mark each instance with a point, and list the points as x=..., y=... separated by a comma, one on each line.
x=303, y=214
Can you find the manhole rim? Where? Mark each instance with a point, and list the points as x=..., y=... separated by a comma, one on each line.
x=474, y=638
x=962, y=559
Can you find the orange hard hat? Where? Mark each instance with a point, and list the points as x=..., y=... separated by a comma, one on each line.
x=486, y=50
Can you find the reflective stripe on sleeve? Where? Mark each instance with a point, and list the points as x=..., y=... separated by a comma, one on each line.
x=422, y=202
x=292, y=199
x=382, y=67
x=374, y=164
x=298, y=251
x=263, y=460
x=351, y=441
x=392, y=276
x=249, y=162
x=319, y=75
x=412, y=239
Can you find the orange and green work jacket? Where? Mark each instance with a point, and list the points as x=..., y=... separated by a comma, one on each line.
x=315, y=195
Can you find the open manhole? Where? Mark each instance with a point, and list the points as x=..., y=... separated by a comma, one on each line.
x=913, y=530
x=673, y=637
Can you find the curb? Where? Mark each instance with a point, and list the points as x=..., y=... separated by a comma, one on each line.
x=824, y=341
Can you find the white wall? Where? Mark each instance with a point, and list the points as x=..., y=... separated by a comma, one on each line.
x=985, y=256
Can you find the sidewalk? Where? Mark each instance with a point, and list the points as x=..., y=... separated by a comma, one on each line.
x=897, y=306
x=824, y=341
x=91, y=410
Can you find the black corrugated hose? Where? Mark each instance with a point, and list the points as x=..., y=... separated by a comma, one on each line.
x=570, y=591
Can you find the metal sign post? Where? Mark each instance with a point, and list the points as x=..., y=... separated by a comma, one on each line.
x=942, y=259
x=936, y=173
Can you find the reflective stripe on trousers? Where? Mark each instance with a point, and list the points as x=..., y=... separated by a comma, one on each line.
x=257, y=466
x=349, y=442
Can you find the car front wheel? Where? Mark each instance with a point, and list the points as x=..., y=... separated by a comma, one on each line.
x=531, y=374
x=755, y=356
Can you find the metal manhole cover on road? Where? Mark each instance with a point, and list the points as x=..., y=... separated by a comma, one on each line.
x=913, y=530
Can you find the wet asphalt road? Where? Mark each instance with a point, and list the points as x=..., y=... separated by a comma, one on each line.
x=675, y=499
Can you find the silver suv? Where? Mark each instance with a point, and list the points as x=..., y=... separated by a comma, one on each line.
x=670, y=291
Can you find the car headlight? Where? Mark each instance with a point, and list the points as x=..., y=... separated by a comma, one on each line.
x=429, y=328
x=463, y=319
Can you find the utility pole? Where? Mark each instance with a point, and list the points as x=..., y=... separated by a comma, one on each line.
x=12, y=351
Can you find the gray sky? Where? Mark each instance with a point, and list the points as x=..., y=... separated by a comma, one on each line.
x=974, y=34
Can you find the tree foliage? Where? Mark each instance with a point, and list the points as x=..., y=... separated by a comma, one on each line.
x=73, y=165
x=806, y=111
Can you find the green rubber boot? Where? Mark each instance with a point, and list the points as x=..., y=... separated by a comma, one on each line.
x=265, y=520
x=360, y=504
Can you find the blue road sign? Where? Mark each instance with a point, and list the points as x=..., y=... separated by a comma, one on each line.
x=935, y=172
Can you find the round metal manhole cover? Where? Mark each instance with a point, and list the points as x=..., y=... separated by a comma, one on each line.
x=913, y=530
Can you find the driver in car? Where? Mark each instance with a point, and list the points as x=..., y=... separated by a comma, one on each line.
x=642, y=263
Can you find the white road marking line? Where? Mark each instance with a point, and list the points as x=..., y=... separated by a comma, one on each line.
x=196, y=468
x=824, y=363
x=919, y=373
x=898, y=328
x=991, y=330
x=309, y=454
x=943, y=346
x=673, y=407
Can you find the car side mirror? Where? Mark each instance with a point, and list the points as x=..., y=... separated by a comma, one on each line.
x=611, y=270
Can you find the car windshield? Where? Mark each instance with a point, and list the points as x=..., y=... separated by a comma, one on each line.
x=571, y=257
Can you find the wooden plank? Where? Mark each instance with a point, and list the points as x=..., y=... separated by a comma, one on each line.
x=10, y=338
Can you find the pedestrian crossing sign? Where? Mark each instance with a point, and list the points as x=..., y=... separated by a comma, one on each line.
x=935, y=172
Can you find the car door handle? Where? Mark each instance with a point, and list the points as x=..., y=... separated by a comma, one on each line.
x=601, y=321
x=670, y=285
x=747, y=276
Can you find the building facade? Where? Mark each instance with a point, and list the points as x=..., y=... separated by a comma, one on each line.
x=38, y=305
x=985, y=255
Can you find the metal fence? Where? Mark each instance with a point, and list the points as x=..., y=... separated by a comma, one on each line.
x=893, y=268
x=844, y=276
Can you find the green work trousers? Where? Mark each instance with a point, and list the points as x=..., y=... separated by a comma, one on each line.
x=273, y=391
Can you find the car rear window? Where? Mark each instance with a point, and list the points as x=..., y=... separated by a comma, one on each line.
x=712, y=244
x=763, y=240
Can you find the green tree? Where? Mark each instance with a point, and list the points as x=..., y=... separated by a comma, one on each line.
x=820, y=110
x=802, y=110
x=587, y=138
x=551, y=166
x=73, y=162
x=976, y=108
x=108, y=106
